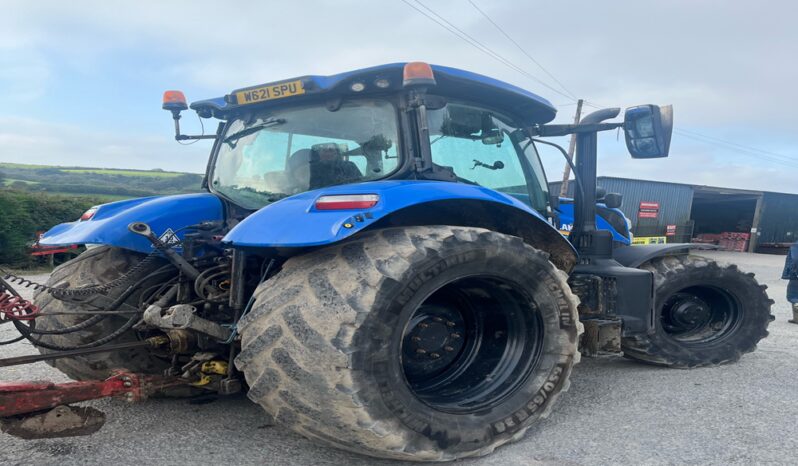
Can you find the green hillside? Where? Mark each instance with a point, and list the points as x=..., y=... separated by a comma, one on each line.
x=36, y=197
x=111, y=183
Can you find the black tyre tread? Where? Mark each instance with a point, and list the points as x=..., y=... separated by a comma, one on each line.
x=98, y=265
x=646, y=349
x=297, y=342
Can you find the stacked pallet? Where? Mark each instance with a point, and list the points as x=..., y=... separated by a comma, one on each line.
x=734, y=241
x=728, y=240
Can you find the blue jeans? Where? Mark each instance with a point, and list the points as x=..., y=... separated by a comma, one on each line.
x=792, y=291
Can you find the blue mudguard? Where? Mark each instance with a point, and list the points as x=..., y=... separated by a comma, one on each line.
x=110, y=221
x=566, y=211
x=295, y=222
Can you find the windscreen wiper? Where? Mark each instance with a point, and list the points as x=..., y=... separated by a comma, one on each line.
x=233, y=138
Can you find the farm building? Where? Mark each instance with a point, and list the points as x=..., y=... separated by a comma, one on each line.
x=737, y=219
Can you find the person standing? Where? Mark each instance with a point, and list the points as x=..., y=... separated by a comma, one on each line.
x=791, y=273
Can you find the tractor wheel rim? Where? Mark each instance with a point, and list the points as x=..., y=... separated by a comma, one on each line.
x=472, y=343
x=700, y=315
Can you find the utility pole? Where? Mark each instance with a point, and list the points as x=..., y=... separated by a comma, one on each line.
x=567, y=172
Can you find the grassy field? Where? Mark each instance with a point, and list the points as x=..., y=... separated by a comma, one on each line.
x=22, y=165
x=102, y=197
x=99, y=171
x=8, y=181
x=116, y=171
x=110, y=183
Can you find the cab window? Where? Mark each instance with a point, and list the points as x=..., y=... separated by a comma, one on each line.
x=276, y=153
x=486, y=149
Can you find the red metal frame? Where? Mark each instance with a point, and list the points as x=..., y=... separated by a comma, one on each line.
x=31, y=396
x=39, y=250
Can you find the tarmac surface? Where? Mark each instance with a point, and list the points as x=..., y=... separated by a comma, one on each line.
x=616, y=412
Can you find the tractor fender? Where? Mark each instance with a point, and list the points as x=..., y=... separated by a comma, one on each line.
x=635, y=256
x=109, y=224
x=295, y=222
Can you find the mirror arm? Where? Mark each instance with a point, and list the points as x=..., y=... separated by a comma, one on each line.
x=564, y=130
x=186, y=137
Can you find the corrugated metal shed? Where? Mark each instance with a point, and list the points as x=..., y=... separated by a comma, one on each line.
x=771, y=217
x=779, y=218
x=675, y=200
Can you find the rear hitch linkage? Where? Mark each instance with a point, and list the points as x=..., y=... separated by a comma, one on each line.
x=36, y=409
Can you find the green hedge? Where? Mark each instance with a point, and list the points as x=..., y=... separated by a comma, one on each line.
x=22, y=214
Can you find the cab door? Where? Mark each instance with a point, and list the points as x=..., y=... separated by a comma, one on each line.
x=485, y=148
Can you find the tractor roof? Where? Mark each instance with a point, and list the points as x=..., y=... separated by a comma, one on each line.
x=451, y=82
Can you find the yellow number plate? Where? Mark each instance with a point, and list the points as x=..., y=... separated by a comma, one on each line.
x=270, y=92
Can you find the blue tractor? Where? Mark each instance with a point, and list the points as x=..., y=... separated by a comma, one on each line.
x=375, y=258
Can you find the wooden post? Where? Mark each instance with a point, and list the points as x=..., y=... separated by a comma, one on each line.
x=752, y=243
x=567, y=172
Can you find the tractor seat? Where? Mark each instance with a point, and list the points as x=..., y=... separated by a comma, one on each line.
x=310, y=171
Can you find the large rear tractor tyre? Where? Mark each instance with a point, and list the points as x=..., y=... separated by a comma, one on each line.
x=420, y=343
x=706, y=314
x=96, y=266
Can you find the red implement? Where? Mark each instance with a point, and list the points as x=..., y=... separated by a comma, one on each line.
x=28, y=397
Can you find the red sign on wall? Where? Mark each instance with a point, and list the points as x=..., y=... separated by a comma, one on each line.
x=648, y=209
x=670, y=230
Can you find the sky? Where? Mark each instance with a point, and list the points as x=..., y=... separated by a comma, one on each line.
x=81, y=82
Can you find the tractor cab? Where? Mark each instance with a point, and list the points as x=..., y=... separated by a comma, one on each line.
x=396, y=121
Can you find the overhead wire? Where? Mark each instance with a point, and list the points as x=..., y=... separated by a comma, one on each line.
x=522, y=49
x=459, y=33
x=462, y=35
x=755, y=153
x=786, y=158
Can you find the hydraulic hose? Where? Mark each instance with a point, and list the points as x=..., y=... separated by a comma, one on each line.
x=100, y=317
x=28, y=332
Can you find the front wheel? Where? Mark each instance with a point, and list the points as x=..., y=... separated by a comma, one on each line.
x=706, y=314
x=422, y=343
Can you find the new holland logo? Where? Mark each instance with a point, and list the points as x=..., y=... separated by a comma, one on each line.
x=169, y=237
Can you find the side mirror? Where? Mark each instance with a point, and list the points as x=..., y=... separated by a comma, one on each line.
x=613, y=200
x=648, y=131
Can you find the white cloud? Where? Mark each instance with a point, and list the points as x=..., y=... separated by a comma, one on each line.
x=728, y=68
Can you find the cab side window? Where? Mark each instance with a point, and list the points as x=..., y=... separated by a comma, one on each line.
x=485, y=149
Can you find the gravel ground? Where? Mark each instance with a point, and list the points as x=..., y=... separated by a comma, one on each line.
x=617, y=412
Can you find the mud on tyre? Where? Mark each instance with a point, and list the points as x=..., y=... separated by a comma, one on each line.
x=705, y=314
x=423, y=343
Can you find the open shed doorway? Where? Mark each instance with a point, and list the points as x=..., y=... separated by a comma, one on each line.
x=732, y=214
